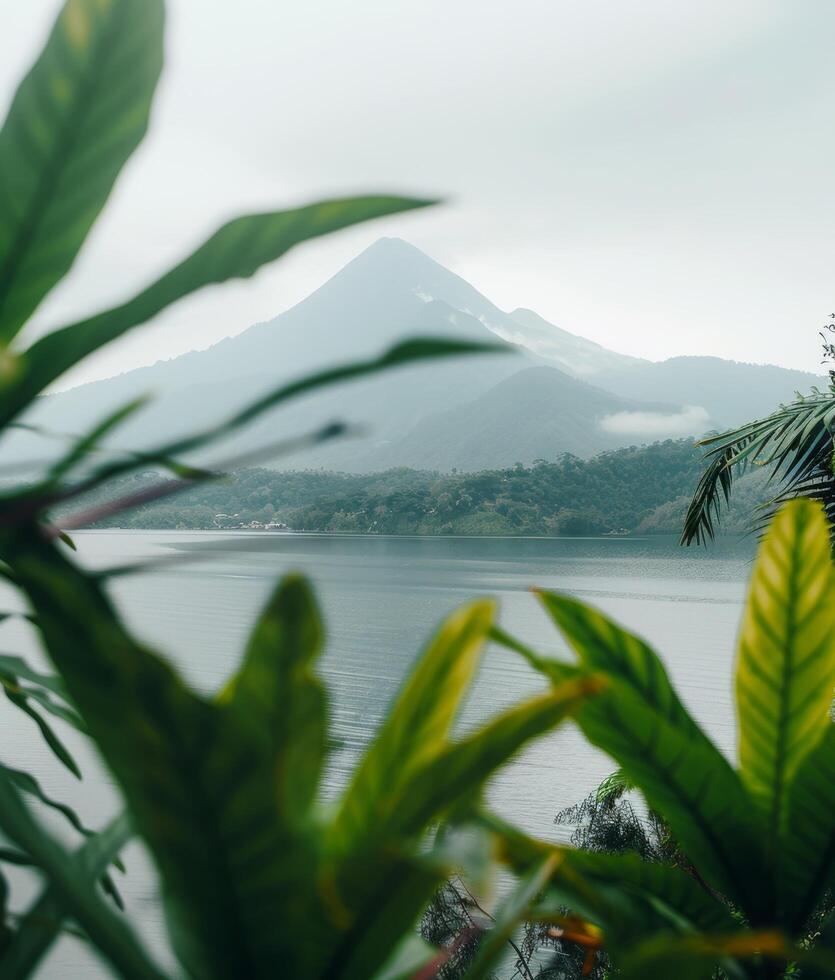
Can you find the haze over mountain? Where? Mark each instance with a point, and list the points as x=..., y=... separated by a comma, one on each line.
x=552, y=392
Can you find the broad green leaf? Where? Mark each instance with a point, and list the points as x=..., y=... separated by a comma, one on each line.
x=70, y=883
x=595, y=885
x=41, y=924
x=199, y=783
x=400, y=888
x=806, y=869
x=417, y=724
x=456, y=773
x=601, y=644
x=277, y=691
x=363, y=882
x=360, y=881
x=237, y=250
x=510, y=913
x=786, y=666
x=691, y=784
x=75, y=120
x=696, y=957
x=641, y=723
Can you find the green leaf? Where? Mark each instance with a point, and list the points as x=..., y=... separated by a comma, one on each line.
x=197, y=779
x=696, y=957
x=15, y=668
x=507, y=918
x=237, y=250
x=641, y=723
x=374, y=929
x=807, y=845
x=11, y=856
x=795, y=442
x=41, y=925
x=416, y=726
x=601, y=644
x=59, y=750
x=455, y=774
x=411, y=954
x=46, y=701
x=277, y=690
x=27, y=783
x=613, y=787
x=361, y=881
x=110, y=935
x=74, y=122
x=629, y=897
x=786, y=663
x=83, y=447
x=691, y=784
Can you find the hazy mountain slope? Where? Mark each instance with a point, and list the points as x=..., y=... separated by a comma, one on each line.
x=378, y=299
x=731, y=391
x=465, y=413
x=571, y=353
x=538, y=413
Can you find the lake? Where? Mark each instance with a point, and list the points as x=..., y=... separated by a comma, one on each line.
x=382, y=597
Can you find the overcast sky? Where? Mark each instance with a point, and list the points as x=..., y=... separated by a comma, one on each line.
x=656, y=175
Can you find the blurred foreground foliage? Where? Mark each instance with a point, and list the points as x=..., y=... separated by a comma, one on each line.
x=260, y=876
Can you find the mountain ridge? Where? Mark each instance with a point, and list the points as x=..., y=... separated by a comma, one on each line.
x=387, y=293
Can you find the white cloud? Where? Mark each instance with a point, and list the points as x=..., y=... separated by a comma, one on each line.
x=692, y=419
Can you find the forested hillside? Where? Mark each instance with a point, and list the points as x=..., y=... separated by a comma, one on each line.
x=636, y=489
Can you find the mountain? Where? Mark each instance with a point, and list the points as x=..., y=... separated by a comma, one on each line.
x=378, y=299
x=729, y=392
x=552, y=392
x=536, y=413
x=575, y=355
x=732, y=392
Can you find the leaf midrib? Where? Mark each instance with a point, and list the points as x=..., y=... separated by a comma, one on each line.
x=690, y=803
x=791, y=600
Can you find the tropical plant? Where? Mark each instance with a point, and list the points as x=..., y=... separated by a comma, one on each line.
x=74, y=122
x=759, y=839
x=257, y=875
x=795, y=444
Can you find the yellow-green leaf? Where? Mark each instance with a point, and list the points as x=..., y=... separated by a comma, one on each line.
x=786, y=665
x=418, y=723
x=806, y=868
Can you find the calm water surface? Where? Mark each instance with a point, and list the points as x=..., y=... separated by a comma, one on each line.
x=382, y=596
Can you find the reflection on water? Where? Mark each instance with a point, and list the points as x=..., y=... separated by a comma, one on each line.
x=382, y=596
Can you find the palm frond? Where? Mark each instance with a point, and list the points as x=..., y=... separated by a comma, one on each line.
x=795, y=442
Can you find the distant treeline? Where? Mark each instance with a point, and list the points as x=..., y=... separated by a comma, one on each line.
x=642, y=490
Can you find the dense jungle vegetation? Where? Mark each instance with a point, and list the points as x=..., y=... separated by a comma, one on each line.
x=640, y=489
